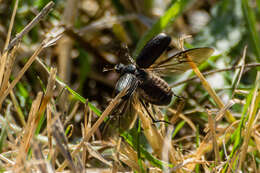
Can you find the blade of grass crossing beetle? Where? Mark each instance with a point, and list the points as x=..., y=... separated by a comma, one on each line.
x=169, y=16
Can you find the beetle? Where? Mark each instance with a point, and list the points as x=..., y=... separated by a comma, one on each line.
x=144, y=76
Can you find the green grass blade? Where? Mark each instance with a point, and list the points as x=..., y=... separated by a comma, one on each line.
x=3, y=136
x=170, y=15
x=130, y=138
x=250, y=18
x=178, y=128
x=94, y=109
x=76, y=95
x=83, y=100
x=258, y=5
x=237, y=135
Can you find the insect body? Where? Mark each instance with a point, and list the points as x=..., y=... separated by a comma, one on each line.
x=143, y=79
x=151, y=87
x=143, y=76
x=155, y=90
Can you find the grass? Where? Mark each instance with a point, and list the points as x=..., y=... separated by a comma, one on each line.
x=57, y=108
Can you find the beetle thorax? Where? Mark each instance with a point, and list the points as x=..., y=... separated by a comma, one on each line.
x=122, y=69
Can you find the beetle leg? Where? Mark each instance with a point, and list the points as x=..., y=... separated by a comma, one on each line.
x=149, y=113
x=179, y=97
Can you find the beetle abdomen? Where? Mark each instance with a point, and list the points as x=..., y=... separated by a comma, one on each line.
x=155, y=90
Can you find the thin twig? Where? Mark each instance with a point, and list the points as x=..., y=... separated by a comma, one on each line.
x=235, y=84
x=221, y=113
x=214, y=71
x=28, y=27
x=11, y=24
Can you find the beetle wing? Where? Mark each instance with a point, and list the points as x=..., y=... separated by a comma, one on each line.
x=179, y=62
x=152, y=50
x=123, y=115
x=121, y=119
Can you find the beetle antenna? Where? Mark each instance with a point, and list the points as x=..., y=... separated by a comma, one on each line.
x=105, y=69
x=126, y=53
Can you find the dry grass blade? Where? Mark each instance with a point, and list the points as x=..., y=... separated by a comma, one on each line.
x=8, y=161
x=5, y=55
x=28, y=132
x=205, y=146
x=11, y=25
x=2, y=66
x=221, y=113
x=5, y=83
x=106, y=22
x=212, y=127
x=212, y=93
x=61, y=84
x=107, y=111
x=256, y=136
x=97, y=155
x=49, y=131
x=167, y=146
x=62, y=144
x=39, y=156
x=36, y=110
x=180, y=165
x=72, y=113
x=21, y=73
x=87, y=126
x=252, y=114
x=8, y=69
x=65, y=46
x=251, y=65
x=182, y=116
x=129, y=156
x=242, y=62
x=28, y=27
x=48, y=94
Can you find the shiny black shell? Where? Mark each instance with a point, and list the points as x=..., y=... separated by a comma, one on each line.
x=152, y=50
x=150, y=87
x=126, y=80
